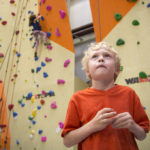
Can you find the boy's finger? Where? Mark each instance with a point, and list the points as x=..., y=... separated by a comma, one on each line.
x=106, y=110
x=108, y=115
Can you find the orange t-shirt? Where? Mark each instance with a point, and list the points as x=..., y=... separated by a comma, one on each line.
x=84, y=105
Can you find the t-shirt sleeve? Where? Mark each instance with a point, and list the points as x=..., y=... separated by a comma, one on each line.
x=140, y=115
x=72, y=120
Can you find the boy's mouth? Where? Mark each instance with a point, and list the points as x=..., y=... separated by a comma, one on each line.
x=101, y=66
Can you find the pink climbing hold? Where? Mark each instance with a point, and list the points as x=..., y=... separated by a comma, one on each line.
x=48, y=7
x=53, y=105
x=48, y=59
x=66, y=63
x=43, y=1
x=62, y=14
x=57, y=32
x=60, y=81
x=1, y=55
x=49, y=47
x=43, y=92
x=61, y=124
x=43, y=138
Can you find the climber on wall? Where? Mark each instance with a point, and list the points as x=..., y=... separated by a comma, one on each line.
x=34, y=21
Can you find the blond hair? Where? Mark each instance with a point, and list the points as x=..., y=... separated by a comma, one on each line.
x=98, y=46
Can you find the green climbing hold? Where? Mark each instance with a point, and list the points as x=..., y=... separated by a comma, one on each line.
x=121, y=68
x=143, y=2
x=138, y=43
x=135, y=22
x=142, y=75
x=131, y=0
x=20, y=101
x=32, y=70
x=30, y=118
x=118, y=16
x=120, y=42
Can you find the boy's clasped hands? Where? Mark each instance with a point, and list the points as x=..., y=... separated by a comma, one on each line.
x=107, y=116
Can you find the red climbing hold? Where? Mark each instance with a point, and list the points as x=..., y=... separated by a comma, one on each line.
x=1, y=55
x=13, y=14
x=4, y=22
x=12, y=1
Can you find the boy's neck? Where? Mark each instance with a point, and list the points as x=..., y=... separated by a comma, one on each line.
x=102, y=85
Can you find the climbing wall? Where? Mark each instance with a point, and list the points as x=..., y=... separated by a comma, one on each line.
x=34, y=91
x=126, y=26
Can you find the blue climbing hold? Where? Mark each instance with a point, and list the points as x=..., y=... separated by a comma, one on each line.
x=48, y=34
x=33, y=122
x=38, y=69
x=43, y=64
x=18, y=54
x=38, y=107
x=42, y=18
x=29, y=95
x=148, y=5
x=40, y=131
x=22, y=104
x=36, y=58
x=15, y=114
x=51, y=93
x=45, y=75
x=17, y=142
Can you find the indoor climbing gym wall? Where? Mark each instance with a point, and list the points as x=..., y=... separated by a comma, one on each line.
x=125, y=25
x=34, y=89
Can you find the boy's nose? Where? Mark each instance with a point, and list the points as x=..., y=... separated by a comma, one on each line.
x=101, y=59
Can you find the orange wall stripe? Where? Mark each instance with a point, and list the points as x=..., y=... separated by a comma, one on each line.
x=103, y=15
x=4, y=121
x=52, y=21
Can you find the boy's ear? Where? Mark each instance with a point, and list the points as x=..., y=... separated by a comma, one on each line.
x=88, y=74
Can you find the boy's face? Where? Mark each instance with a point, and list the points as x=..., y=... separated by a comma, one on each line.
x=101, y=65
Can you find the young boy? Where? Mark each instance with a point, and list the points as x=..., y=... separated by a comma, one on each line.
x=105, y=116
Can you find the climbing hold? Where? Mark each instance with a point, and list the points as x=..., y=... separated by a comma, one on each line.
x=36, y=58
x=30, y=117
x=60, y=81
x=32, y=70
x=15, y=114
x=61, y=124
x=17, y=32
x=48, y=34
x=66, y=63
x=10, y=106
x=43, y=1
x=57, y=32
x=4, y=22
x=42, y=102
x=38, y=107
x=32, y=99
x=32, y=132
x=18, y=54
x=43, y=138
x=51, y=93
x=38, y=69
x=40, y=131
x=43, y=92
x=17, y=142
x=135, y=22
x=121, y=68
x=15, y=75
x=48, y=59
x=42, y=18
x=12, y=1
x=45, y=75
x=118, y=16
x=13, y=14
x=0, y=18
x=20, y=101
x=29, y=95
x=120, y=42
x=49, y=47
x=48, y=7
x=62, y=14
x=131, y=0
x=148, y=5
x=53, y=105
x=33, y=122
x=1, y=55
x=43, y=64
x=138, y=42
x=142, y=75
x=22, y=104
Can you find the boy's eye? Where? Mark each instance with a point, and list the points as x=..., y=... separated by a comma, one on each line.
x=107, y=55
x=94, y=56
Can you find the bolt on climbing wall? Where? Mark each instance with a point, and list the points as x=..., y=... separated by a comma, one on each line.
x=37, y=88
